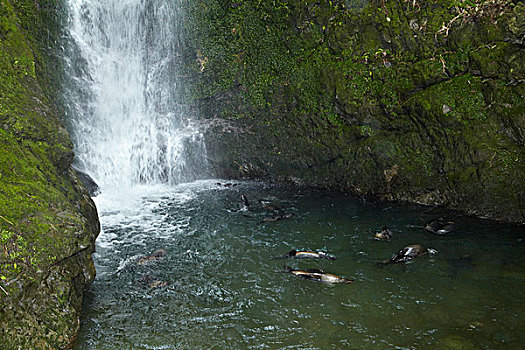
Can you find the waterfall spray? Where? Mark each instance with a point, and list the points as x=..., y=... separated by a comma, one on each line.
x=124, y=115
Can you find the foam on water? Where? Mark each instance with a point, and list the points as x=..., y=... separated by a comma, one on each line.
x=138, y=210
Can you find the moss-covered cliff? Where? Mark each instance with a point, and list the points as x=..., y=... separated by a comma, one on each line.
x=48, y=223
x=420, y=101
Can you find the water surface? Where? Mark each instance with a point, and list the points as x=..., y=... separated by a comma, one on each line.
x=223, y=291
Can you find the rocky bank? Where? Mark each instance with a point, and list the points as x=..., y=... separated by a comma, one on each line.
x=48, y=222
x=416, y=101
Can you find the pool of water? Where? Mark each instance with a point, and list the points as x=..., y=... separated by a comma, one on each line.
x=216, y=286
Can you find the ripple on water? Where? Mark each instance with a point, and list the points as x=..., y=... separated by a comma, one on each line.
x=223, y=290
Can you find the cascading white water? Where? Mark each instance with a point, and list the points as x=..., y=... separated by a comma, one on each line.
x=124, y=117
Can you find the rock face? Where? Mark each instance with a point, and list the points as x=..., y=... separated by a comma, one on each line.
x=418, y=101
x=88, y=182
x=48, y=222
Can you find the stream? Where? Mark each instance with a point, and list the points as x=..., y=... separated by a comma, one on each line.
x=216, y=286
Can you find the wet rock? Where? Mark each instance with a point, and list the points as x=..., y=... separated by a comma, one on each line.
x=48, y=218
x=387, y=92
x=88, y=182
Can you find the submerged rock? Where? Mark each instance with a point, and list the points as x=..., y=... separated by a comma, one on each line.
x=274, y=218
x=455, y=342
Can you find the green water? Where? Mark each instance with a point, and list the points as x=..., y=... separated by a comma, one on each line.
x=223, y=291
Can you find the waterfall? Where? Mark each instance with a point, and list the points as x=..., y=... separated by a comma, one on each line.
x=124, y=113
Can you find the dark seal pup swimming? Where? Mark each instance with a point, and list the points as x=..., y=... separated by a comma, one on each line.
x=156, y=255
x=408, y=253
x=244, y=206
x=304, y=254
x=317, y=275
x=440, y=227
x=151, y=282
x=275, y=218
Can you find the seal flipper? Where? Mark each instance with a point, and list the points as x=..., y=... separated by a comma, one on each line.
x=404, y=255
x=397, y=257
x=245, y=200
x=245, y=206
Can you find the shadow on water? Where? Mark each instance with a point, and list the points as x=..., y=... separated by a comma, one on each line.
x=215, y=286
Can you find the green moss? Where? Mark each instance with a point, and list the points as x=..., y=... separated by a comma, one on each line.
x=47, y=222
x=351, y=93
x=502, y=61
x=16, y=254
x=30, y=198
x=35, y=154
x=459, y=98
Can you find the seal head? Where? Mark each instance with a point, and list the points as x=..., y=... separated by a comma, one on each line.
x=384, y=234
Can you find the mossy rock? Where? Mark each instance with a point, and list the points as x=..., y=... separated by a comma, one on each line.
x=435, y=88
x=48, y=222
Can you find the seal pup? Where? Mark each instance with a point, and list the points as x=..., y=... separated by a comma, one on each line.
x=156, y=255
x=317, y=275
x=151, y=282
x=268, y=206
x=244, y=206
x=449, y=227
x=433, y=226
x=408, y=253
x=305, y=254
x=440, y=227
x=384, y=234
x=275, y=218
